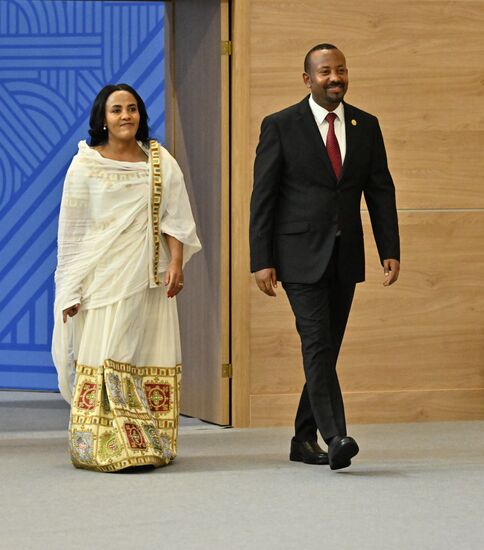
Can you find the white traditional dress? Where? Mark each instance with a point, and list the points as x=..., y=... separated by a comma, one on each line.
x=119, y=359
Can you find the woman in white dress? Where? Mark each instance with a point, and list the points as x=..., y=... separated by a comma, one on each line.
x=125, y=232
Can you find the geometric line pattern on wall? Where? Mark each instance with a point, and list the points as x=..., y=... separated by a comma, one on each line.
x=55, y=56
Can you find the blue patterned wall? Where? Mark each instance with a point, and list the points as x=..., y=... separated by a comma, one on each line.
x=54, y=57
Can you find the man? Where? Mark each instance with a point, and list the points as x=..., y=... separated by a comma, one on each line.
x=314, y=160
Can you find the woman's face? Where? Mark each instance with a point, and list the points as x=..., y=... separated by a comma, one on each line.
x=121, y=116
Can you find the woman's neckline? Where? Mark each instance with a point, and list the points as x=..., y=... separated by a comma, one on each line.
x=127, y=161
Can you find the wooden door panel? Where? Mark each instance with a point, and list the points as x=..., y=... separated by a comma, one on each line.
x=200, y=147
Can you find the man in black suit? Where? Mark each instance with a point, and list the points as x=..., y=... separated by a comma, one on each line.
x=314, y=160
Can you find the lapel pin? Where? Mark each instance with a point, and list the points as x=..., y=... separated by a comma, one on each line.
x=353, y=121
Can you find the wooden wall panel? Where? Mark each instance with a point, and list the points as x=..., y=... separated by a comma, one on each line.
x=417, y=65
x=196, y=57
x=241, y=161
x=378, y=407
x=425, y=333
x=414, y=351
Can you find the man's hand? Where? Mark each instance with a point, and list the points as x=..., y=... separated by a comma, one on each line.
x=391, y=270
x=266, y=280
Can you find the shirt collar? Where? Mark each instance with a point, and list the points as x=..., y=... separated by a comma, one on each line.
x=320, y=112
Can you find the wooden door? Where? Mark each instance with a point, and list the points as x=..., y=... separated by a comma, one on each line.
x=199, y=118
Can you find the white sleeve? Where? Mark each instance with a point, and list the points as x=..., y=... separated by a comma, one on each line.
x=73, y=224
x=176, y=213
x=74, y=220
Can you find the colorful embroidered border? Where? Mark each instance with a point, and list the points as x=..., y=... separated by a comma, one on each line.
x=155, y=155
x=123, y=415
x=140, y=371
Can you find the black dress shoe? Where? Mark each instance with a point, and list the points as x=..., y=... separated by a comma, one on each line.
x=341, y=450
x=308, y=452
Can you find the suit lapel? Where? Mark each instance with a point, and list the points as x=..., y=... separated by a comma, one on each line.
x=351, y=124
x=312, y=131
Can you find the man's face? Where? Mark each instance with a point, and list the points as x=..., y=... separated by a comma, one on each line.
x=327, y=78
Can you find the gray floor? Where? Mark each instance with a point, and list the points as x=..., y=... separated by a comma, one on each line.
x=413, y=486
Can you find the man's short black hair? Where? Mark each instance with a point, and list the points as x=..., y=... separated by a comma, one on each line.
x=315, y=49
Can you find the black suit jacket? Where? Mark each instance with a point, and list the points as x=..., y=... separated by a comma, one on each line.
x=298, y=205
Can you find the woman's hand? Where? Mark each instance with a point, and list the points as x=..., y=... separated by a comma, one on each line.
x=174, y=273
x=70, y=311
x=174, y=278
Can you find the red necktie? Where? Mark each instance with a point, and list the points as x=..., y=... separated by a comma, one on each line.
x=332, y=146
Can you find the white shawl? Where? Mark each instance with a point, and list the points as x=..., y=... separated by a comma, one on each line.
x=106, y=238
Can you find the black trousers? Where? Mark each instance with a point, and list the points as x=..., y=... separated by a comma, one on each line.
x=321, y=311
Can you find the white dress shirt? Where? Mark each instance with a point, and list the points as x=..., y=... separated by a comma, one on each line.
x=323, y=125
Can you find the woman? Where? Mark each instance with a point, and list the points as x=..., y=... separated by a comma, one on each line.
x=125, y=231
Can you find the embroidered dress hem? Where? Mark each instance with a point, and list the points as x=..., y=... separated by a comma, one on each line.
x=124, y=416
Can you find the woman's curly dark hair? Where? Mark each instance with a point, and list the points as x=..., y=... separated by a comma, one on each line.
x=98, y=134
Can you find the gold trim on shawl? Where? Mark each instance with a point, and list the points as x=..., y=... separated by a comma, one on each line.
x=157, y=189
